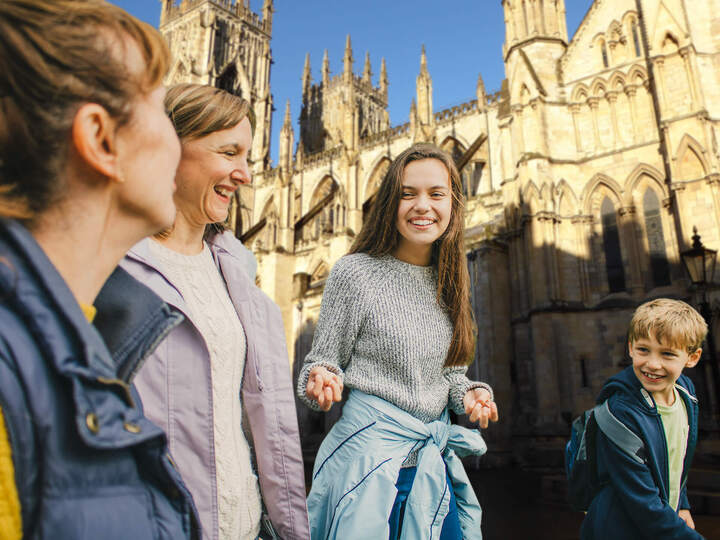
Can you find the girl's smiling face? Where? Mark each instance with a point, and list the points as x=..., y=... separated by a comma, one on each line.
x=424, y=209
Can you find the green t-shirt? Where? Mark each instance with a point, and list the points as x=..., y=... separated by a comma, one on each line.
x=675, y=422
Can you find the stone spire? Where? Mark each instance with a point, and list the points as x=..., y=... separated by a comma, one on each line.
x=306, y=78
x=287, y=124
x=480, y=91
x=348, y=59
x=423, y=89
x=287, y=141
x=413, y=116
x=367, y=72
x=383, y=78
x=267, y=14
x=325, y=69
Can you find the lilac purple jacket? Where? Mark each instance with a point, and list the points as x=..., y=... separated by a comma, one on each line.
x=176, y=391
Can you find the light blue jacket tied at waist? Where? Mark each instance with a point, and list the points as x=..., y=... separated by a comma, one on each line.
x=358, y=463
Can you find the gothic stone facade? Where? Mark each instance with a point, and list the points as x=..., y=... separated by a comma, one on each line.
x=585, y=175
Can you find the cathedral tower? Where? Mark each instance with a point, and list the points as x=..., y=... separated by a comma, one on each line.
x=535, y=29
x=227, y=45
x=342, y=109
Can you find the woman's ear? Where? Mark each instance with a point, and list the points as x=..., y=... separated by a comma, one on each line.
x=94, y=138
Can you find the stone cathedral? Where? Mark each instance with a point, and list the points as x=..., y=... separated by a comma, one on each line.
x=585, y=174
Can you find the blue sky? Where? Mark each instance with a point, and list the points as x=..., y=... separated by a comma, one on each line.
x=463, y=38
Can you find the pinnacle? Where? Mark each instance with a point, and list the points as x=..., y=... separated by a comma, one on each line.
x=288, y=120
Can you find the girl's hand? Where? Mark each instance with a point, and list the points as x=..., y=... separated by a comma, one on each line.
x=479, y=407
x=323, y=387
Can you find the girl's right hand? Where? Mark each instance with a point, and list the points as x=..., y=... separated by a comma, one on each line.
x=323, y=387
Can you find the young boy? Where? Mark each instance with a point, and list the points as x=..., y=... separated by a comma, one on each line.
x=657, y=402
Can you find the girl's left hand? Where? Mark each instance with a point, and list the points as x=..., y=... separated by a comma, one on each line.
x=479, y=407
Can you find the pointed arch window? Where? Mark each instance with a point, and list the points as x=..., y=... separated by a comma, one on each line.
x=604, y=52
x=659, y=268
x=611, y=247
x=635, y=30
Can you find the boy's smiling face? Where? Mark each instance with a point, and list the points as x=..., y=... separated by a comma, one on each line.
x=658, y=366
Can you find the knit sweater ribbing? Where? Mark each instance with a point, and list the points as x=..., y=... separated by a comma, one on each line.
x=383, y=331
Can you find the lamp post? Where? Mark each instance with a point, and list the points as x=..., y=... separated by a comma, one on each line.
x=699, y=262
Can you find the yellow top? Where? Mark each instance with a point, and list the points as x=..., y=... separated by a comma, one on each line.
x=10, y=520
x=89, y=312
x=675, y=423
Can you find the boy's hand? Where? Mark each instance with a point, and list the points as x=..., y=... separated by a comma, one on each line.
x=479, y=407
x=687, y=518
x=323, y=387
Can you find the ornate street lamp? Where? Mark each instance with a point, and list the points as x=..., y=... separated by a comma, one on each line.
x=699, y=262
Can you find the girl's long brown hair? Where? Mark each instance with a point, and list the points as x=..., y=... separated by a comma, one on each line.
x=379, y=236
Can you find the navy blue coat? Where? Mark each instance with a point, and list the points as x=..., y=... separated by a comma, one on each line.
x=88, y=464
x=633, y=504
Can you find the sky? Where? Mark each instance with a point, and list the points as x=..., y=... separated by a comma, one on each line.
x=463, y=39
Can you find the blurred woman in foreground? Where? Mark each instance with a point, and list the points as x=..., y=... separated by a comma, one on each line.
x=87, y=160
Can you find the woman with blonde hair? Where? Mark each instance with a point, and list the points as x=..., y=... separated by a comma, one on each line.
x=87, y=159
x=227, y=361
x=396, y=327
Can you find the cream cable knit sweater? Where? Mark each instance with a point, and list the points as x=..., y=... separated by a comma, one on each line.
x=211, y=310
x=382, y=329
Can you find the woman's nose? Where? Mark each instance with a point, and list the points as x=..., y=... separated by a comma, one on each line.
x=241, y=174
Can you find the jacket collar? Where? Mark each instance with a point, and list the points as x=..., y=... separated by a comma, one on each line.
x=133, y=320
x=626, y=382
x=221, y=245
x=42, y=295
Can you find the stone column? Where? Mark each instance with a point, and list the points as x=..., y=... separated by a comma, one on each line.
x=685, y=53
x=631, y=93
x=575, y=110
x=518, y=113
x=583, y=232
x=612, y=99
x=662, y=98
x=593, y=102
x=627, y=224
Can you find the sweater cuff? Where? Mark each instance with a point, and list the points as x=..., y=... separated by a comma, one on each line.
x=305, y=375
x=457, y=393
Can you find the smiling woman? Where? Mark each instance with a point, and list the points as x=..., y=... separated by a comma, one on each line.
x=205, y=379
x=395, y=326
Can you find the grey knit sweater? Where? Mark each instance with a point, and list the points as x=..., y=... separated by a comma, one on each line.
x=382, y=330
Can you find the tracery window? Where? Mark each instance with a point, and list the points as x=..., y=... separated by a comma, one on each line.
x=660, y=270
x=611, y=247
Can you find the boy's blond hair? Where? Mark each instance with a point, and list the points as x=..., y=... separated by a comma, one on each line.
x=670, y=322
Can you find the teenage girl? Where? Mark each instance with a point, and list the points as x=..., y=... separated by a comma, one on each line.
x=396, y=327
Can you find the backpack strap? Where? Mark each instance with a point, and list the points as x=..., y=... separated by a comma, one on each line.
x=619, y=433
